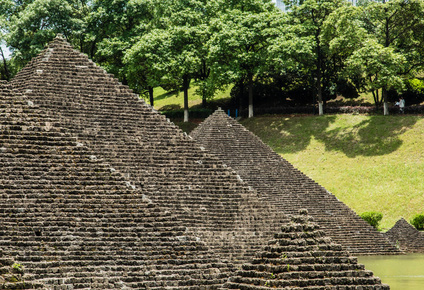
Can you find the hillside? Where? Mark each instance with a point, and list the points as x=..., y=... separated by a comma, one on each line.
x=372, y=163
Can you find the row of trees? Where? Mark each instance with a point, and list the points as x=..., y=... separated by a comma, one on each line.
x=324, y=47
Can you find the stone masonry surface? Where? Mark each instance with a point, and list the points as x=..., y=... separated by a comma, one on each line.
x=73, y=222
x=208, y=198
x=406, y=237
x=301, y=256
x=284, y=186
x=161, y=213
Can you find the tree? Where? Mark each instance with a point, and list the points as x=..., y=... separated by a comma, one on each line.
x=239, y=45
x=113, y=26
x=145, y=62
x=174, y=52
x=37, y=22
x=6, y=7
x=398, y=24
x=307, y=21
x=376, y=67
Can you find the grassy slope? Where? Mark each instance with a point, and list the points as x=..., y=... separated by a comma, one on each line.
x=372, y=163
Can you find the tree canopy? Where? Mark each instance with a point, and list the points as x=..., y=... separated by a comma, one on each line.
x=324, y=47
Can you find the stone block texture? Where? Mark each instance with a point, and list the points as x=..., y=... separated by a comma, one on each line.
x=301, y=256
x=406, y=237
x=208, y=198
x=74, y=222
x=99, y=191
x=288, y=189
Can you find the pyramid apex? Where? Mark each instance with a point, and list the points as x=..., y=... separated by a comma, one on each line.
x=60, y=36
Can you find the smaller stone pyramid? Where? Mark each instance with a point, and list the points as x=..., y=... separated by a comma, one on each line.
x=301, y=256
x=284, y=186
x=406, y=237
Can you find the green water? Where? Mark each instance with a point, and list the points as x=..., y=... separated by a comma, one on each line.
x=405, y=272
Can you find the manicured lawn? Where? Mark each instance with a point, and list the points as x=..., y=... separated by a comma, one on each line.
x=372, y=163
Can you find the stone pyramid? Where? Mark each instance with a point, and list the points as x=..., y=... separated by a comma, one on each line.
x=13, y=276
x=406, y=237
x=302, y=257
x=208, y=198
x=287, y=188
x=72, y=221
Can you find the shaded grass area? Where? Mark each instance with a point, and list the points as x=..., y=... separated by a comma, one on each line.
x=175, y=100
x=372, y=163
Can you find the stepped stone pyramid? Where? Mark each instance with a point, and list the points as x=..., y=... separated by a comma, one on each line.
x=13, y=276
x=302, y=257
x=72, y=221
x=209, y=199
x=287, y=188
x=406, y=236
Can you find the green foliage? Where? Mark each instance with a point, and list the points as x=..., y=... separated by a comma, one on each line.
x=372, y=217
x=376, y=66
x=322, y=46
x=38, y=23
x=418, y=221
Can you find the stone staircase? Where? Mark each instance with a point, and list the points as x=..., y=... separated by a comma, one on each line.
x=208, y=198
x=302, y=257
x=288, y=189
x=13, y=276
x=74, y=222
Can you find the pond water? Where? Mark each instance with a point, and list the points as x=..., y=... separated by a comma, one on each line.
x=404, y=272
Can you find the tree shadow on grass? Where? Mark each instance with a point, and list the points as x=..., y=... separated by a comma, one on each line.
x=166, y=95
x=375, y=136
x=288, y=134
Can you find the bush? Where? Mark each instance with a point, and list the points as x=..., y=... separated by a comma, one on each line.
x=372, y=217
x=418, y=222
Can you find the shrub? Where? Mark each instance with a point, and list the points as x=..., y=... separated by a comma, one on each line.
x=372, y=217
x=418, y=222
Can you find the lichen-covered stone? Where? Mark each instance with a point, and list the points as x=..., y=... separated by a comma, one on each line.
x=406, y=237
x=315, y=263
x=151, y=152
x=287, y=188
x=70, y=222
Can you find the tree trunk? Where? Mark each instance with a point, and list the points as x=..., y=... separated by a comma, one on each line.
x=385, y=104
x=186, y=82
x=241, y=96
x=6, y=70
x=151, y=96
x=319, y=94
x=320, y=109
x=319, y=74
x=250, y=87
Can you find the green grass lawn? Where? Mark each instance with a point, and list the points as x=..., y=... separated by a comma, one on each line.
x=371, y=163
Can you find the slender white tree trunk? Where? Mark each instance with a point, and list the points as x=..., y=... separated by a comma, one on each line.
x=250, y=96
x=186, y=83
x=386, y=109
x=320, y=108
x=185, y=115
